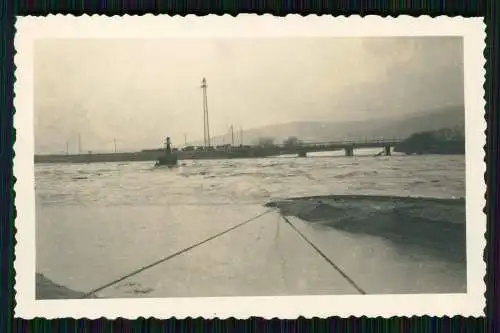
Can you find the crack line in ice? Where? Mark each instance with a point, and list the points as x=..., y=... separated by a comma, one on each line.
x=137, y=271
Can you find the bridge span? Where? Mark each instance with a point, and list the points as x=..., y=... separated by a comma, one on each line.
x=301, y=149
x=347, y=145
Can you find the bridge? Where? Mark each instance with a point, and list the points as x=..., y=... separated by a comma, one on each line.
x=347, y=145
x=226, y=152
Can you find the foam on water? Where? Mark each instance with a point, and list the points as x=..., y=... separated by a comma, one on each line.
x=241, y=181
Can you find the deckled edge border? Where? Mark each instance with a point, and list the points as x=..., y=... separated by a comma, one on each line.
x=486, y=110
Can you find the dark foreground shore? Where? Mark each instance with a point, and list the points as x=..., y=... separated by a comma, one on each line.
x=436, y=226
x=46, y=289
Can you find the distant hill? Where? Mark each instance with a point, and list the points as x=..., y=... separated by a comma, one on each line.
x=430, y=121
x=403, y=127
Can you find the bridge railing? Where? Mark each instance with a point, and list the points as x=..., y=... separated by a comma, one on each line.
x=361, y=141
x=305, y=144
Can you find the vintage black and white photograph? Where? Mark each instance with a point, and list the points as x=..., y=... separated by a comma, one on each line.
x=218, y=166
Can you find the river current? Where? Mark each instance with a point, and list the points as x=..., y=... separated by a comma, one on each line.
x=248, y=181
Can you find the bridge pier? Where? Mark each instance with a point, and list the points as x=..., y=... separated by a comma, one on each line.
x=349, y=151
x=387, y=150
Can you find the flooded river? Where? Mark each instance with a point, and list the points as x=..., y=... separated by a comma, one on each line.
x=97, y=223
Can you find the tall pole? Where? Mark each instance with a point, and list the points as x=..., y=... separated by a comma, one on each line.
x=114, y=142
x=206, y=111
x=206, y=126
x=67, y=148
x=185, y=140
x=203, y=89
x=232, y=135
x=79, y=144
x=241, y=136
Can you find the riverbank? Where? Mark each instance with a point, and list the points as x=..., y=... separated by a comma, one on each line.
x=439, y=142
x=430, y=225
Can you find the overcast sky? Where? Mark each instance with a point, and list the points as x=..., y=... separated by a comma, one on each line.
x=139, y=91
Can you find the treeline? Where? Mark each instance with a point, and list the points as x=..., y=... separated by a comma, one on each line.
x=291, y=141
x=443, y=141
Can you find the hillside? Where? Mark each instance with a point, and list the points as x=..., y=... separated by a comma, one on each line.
x=431, y=121
x=333, y=131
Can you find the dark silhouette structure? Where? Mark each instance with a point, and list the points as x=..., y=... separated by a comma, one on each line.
x=169, y=158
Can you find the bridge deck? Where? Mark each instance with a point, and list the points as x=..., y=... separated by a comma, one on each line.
x=229, y=152
x=326, y=146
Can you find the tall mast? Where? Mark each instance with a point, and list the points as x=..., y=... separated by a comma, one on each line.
x=79, y=144
x=241, y=135
x=206, y=126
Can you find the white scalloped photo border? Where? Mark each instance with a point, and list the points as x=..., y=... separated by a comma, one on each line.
x=30, y=29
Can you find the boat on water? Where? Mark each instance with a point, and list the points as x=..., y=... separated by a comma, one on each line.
x=169, y=158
